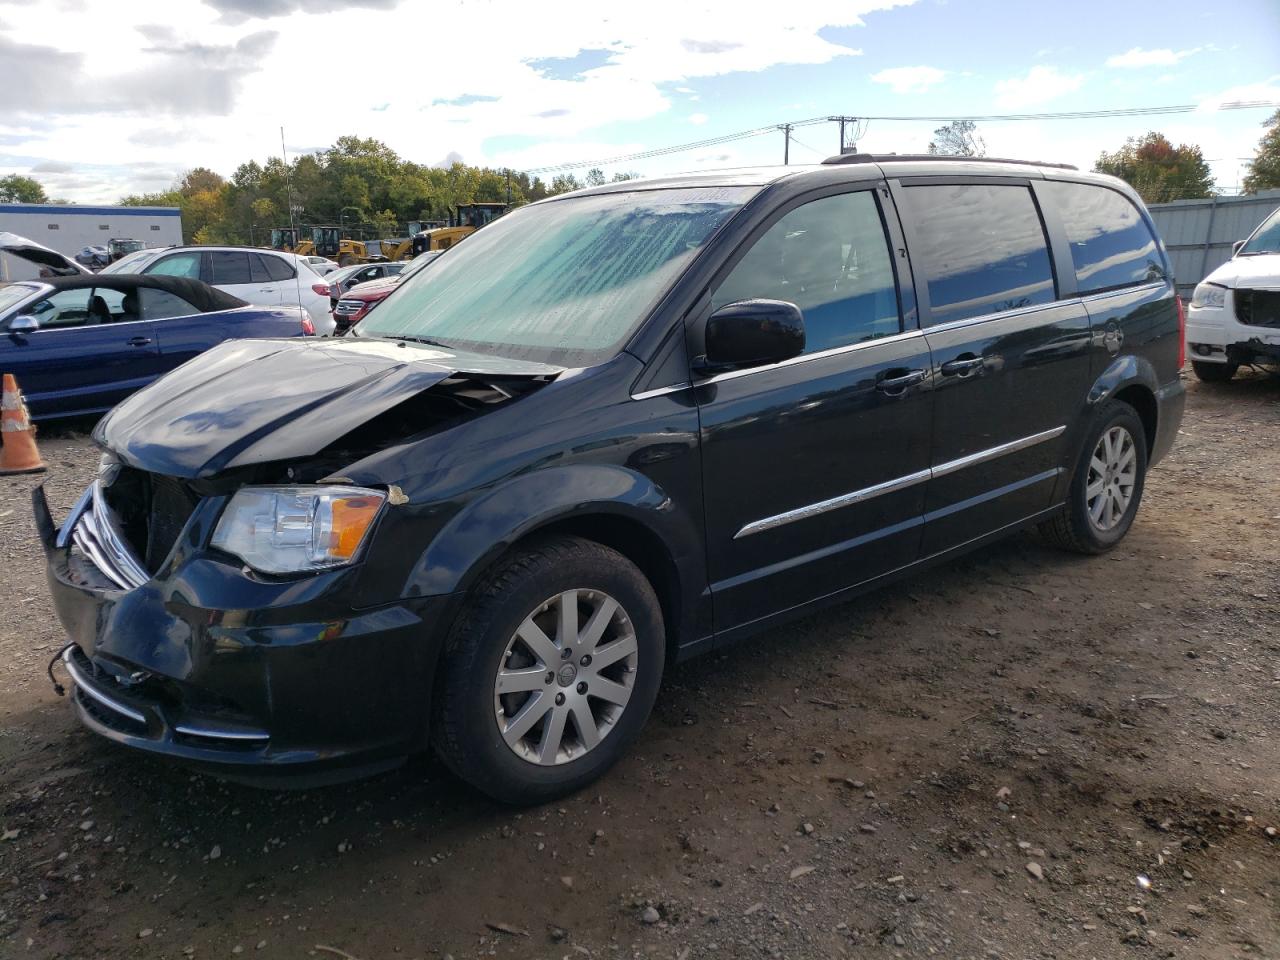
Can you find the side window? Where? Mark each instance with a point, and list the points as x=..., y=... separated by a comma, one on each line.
x=1111, y=245
x=229, y=267
x=829, y=257
x=68, y=308
x=258, y=269
x=177, y=265
x=278, y=268
x=161, y=304
x=981, y=247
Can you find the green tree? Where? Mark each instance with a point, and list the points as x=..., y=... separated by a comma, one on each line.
x=16, y=188
x=593, y=178
x=1158, y=170
x=1264, y=169
x=959, y=138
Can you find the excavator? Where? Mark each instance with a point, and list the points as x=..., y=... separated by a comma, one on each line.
x=468, y=218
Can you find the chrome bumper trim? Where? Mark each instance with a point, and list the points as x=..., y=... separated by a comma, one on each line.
x=215, y=734
x=85, y=687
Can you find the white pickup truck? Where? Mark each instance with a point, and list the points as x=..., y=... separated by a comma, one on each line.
x=1234, y=317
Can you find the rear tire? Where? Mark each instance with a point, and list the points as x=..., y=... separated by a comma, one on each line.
x=1214, y=372
x=559, y=724
x=1106, y=487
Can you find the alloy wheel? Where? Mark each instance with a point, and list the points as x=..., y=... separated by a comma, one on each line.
x=1113, y=474
x=565, y=677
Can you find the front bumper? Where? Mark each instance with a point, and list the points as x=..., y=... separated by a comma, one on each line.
x=273, y=683
x=1215, y=335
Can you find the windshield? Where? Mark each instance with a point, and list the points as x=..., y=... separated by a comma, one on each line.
x=14, y=293
x=132, y=263
x=417, y=263
x=1266, y=239
x=564, y=282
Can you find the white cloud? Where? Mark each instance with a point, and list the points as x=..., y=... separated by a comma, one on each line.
x=698, y=119
x=909, y=79
x=1136, y=58
x=229, y=99
x=1038, y=86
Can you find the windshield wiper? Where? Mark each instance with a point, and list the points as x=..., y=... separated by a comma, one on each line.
x=427, y=340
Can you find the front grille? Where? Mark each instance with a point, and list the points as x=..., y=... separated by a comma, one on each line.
x=152, y=510
x=1258, y=308
x=348, y=308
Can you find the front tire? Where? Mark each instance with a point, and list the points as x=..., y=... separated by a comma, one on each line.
x=1106, y=488
x=1214, y=372
x=550, y=671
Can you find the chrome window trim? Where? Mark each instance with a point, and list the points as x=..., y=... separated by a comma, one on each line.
x=899, y=483
x=1000, y=315
x=83, y=685
x=1127, y=288
x=661, y=391
x=806, y=357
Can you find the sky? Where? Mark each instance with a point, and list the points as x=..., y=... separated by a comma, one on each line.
x=107, y=99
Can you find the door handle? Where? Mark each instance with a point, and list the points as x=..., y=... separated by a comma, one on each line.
x=961, y=366
x=139, y=341
x=897, y=384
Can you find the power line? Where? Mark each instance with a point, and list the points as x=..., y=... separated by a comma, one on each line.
x=975, y=118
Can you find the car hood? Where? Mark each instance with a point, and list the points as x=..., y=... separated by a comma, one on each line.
x=1261, y=270
x=40, y=255
x=248, y=402
x=380, y=287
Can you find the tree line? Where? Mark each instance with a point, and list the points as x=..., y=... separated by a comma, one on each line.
x=363, y=185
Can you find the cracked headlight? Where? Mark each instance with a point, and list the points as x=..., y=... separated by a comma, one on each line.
x=1209, y=295
x=297, y=529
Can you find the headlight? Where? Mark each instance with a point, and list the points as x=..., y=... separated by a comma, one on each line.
x=297, y=529
x=1209, y=295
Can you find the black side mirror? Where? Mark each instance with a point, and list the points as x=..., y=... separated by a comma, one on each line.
x=1235, y=247
x=752, y=333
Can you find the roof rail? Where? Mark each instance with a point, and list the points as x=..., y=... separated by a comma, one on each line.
x=892, y=157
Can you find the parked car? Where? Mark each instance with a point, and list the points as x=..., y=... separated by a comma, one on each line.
x=51, y=262
x=264, y=277
x=682, y=412
x=80, y=345
x=344, y=278
x=322, y=265
x=1234, y=318
x=363, y=297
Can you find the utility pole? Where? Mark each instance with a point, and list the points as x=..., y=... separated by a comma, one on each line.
x=846, y=146
x=786, y=146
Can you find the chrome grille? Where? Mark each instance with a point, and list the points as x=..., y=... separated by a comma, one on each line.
x=95, y=531
x=348, y=308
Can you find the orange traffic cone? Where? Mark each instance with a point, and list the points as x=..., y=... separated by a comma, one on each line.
x=18, y=453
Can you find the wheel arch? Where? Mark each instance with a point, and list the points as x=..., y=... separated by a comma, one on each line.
x=1130, y=379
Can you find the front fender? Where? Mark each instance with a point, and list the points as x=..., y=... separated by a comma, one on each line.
x=487, y=526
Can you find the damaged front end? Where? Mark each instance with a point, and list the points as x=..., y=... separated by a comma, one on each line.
x=231, y=596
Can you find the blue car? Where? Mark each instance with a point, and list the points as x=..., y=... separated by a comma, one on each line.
x=80, y=344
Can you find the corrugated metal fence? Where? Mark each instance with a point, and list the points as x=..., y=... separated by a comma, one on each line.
x=1199, y=233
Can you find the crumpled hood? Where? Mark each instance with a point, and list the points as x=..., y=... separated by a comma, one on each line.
x=255, y=401
x=1260, y=272
x=40, y=255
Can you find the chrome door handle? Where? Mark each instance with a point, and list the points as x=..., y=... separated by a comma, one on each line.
x=139, y=341
x=895, y=385
x=961, y=366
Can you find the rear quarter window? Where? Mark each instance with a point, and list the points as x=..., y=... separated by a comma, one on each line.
x=980, y=247
x=277, y=267
x=1111, y=244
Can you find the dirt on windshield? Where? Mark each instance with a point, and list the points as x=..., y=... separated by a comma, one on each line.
x=1021, y=754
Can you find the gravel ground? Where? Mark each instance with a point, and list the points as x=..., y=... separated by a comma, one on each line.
x=1023, y=754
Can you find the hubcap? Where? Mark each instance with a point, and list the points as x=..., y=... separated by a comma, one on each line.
x=565, y=677
x=1113, y=472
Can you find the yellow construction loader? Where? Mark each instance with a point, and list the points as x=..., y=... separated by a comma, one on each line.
x=468, y=218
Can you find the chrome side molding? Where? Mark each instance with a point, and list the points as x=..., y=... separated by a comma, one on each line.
x=900, y=483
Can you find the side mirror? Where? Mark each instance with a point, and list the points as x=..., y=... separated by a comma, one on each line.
x=24, y=323
x=1235, y=247
x=752, y=333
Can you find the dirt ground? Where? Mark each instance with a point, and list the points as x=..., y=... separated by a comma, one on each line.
x=1023, y=754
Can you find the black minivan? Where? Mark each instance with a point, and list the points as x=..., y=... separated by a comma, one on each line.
x=609, y=431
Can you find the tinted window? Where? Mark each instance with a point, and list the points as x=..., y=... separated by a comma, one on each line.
x=177, y=265
x=258, y=269
x=1111, y=245
x=981, y=248
x=229, y=266
x=161, y=304
x=830, y=258
x=277, y=267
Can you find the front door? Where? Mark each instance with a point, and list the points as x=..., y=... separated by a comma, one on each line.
x=815, y=468
x=1010, y=359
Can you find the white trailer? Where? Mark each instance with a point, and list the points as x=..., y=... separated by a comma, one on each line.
x=69, y=228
